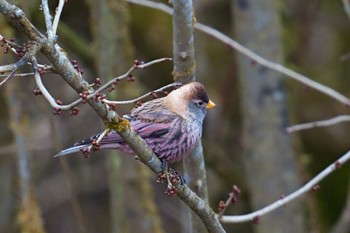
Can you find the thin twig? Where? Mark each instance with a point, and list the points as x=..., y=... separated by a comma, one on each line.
x=48, y=18
x=8, y=77
x=176, y=84
x=12, y=45
x=100, y=137
x=57, y=16
x=226, y=204
x=17, y=75
x=323, y=123
x=16, y=66
x=48, y=69
x=41, y=86
x=53, y=103
x=128, y=73
x=311, y=185
x=262, y=61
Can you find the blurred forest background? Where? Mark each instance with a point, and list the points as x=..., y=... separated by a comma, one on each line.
x=109, y=192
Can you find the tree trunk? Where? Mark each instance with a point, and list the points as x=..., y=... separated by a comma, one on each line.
x=269, y=158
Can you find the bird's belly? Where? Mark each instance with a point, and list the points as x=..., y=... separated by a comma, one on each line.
x=173, y=149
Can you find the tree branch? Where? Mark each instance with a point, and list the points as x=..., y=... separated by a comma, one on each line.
x=57, y=16
x=311, y=185
x=323, y=123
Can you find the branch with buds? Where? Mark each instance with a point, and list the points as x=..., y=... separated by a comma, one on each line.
x=96, y=94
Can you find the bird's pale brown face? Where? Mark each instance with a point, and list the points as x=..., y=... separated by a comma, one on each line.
x=189, y=100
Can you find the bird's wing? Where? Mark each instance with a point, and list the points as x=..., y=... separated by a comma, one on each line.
x=154, y=111
x=144, y=129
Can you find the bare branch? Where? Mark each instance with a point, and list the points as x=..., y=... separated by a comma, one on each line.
x=323, y=123
x=137, y=65
x=48, y=18
x=41, y=86
x=311, y=185
x=17, y=75
x=260, y=60
x=54, y=104
x=16, y=66
x=8, y=77
x=176, y=84
x=57, y=16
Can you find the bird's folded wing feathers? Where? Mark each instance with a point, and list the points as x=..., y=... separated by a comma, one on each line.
x=154, y=112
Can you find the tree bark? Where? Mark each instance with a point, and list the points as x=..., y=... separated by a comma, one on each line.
x=269, y=157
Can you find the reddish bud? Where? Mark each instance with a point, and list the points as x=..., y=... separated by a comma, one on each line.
x=95, y=145
x=130, y=78
x=338, y=165
x=74, y=111
x=154, y=95
x=42, y=71
x=171, y=191
x=110, y=88
x=175, y=179
x=57, y=111
x=221, y=206
x=98, y=82
x=316, y=187
x=84, y=96
x=37, y=91
x=113, y=107
x=161, y=177
x=138, y=103
x=85, y=152
x=138, y=62
x=256, y=219
x=236, y=190
x=59, y=102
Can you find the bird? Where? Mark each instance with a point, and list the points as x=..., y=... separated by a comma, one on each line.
x=171, y=125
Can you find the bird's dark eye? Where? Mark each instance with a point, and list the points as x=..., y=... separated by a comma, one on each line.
x=200, y=103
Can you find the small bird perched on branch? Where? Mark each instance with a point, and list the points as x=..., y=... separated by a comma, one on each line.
x=171, y=126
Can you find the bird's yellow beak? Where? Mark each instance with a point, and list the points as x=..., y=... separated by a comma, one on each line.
x=211, y=104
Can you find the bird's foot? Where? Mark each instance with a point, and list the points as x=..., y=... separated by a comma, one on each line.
x=171, y=177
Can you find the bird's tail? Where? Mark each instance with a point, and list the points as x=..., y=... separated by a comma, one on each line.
x=70, y=150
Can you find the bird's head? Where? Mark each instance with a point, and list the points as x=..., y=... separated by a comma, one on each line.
x=190, y=101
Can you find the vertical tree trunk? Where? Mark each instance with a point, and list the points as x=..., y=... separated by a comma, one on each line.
x=184, y=71
x=269, y=158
